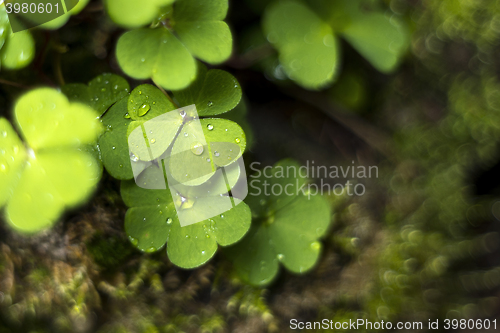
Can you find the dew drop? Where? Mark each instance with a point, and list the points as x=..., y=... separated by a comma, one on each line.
x=133, y=157
x=144, y=109
x=113, y=148
x=187, y=236
x=315, y=246
x=3, y=168
x=202, y=252
x=15, y=150
x=169, y=221
x=237, y=140
x=182, y=113
x=216, y=154
x=116, y=87
x=4, y=134
x=185, y=134
x=208, y=160
x=221, y=216
x=152, y=141
x=207, y=236
x=133, y=240
x=126, y=116
x=151, y=249
x=103, y=89
x=210, y=127
x=197, y=148
x=121, y=165
x=280, y=257
x=210, y=103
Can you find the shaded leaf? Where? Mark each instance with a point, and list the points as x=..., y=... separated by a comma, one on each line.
x=286, y=230
x=308, y=48
x=380, y=39
x=102, y=92
x=213, y=92
x=152, y=220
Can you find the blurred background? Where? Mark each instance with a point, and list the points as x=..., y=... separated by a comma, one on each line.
x=422, y=243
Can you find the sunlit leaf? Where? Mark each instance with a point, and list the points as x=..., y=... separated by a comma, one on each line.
x=55, y=171
x=18, y=50
x=47, y=120
x=156, y=54
x=133, y=13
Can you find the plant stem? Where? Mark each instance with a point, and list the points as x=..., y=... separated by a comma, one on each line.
x=165, y=93
x=14, y=84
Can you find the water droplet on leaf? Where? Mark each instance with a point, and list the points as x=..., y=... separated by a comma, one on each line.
x=210, y=127
x=197, y=148
x=143, y=109
x=133, y=240
x=133, y=157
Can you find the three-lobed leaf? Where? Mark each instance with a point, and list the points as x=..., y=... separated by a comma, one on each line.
x=286, y=228
x=213, y=92
x=152, y=221
x=166, y=53
x=100, y=93
x=134, y=14
x=55, y=171
x=144, y=103
x=307, y=45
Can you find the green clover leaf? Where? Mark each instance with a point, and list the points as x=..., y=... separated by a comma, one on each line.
x=308, y=46
x=152, y=221
x=53, y=171
x=157, y=54
x=144, y=103
x=134, y=14
x=381, y=39
x=102, y=92
x=213, y=92
x=72, y=7
x=168, y=58
x=201, y=150
x=16, y=50
x=286, y=228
